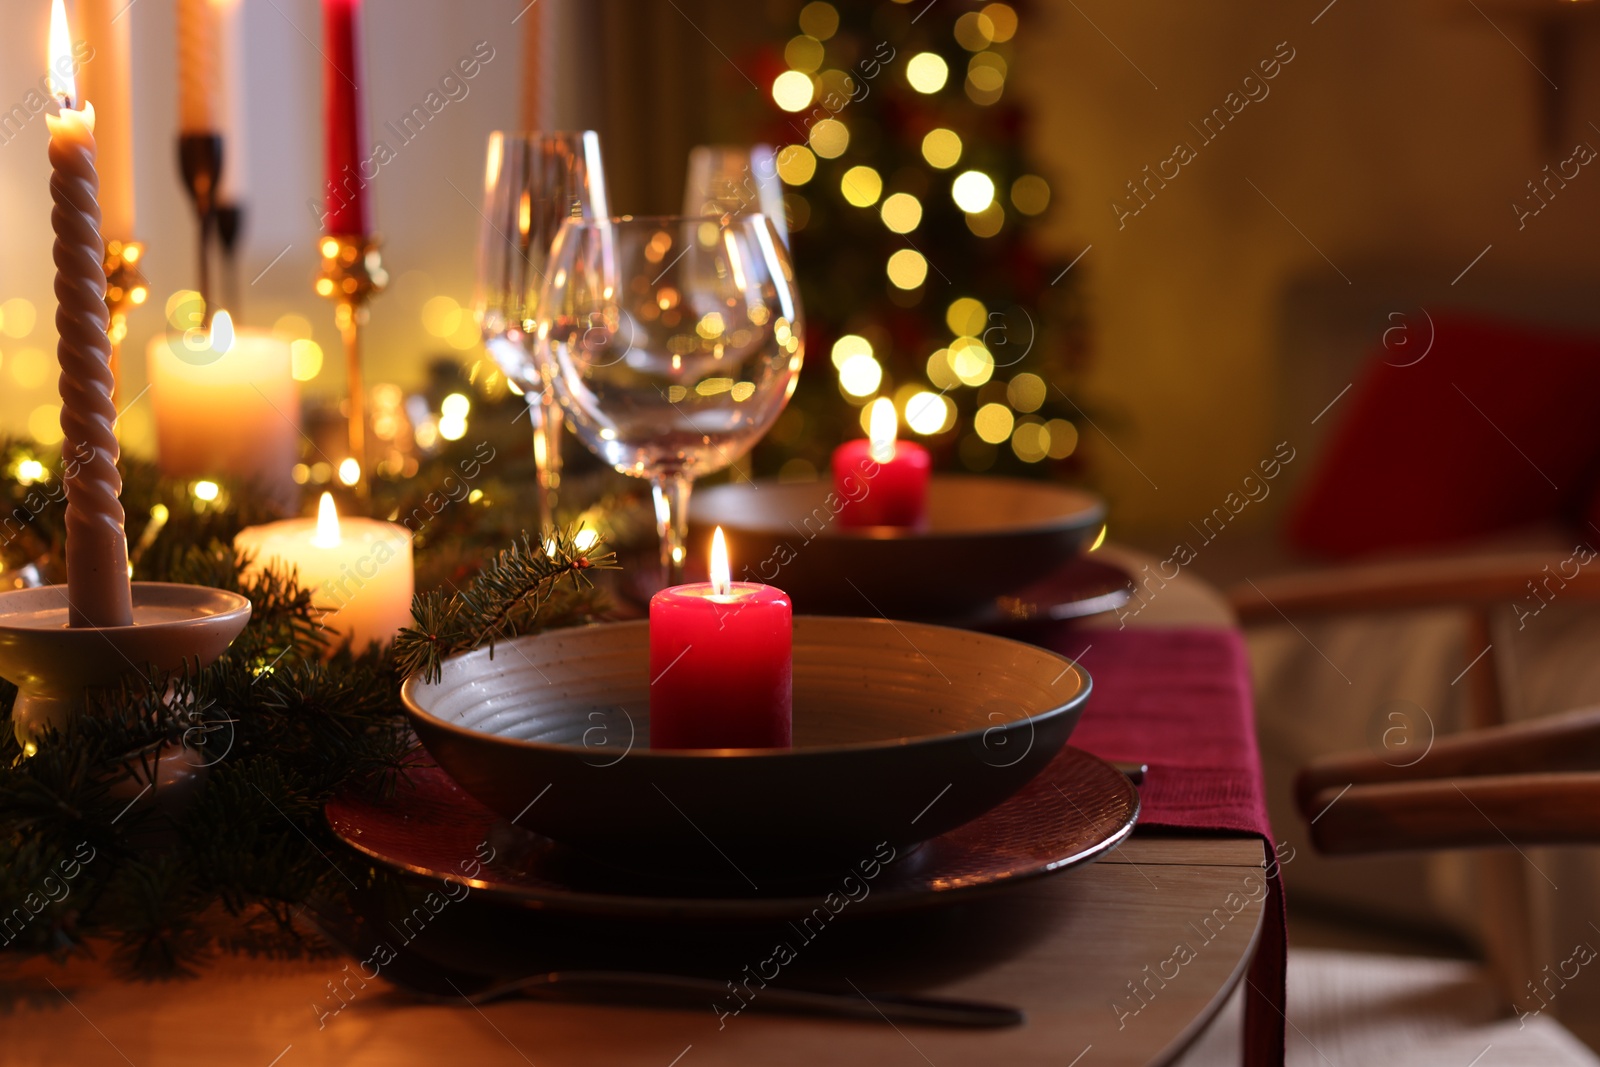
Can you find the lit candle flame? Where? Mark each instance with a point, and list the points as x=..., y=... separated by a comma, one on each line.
x=221, y=333
x=721, y=577
x=327, y=535
x=62, y=82
x=881, y=425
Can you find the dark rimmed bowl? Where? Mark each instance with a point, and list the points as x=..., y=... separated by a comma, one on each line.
x=902, y=732
x=985, y=538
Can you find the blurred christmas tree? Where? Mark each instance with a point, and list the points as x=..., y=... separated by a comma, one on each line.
x=912, y=212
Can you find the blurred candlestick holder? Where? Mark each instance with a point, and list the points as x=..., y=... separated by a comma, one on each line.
x=200, y=163
x=126, y=287
x=230, y=227
x=352, y=273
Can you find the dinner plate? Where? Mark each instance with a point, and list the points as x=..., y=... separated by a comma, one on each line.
x=986, y=537
x=1076, y=810
x=1083, y=587
x=886, y=716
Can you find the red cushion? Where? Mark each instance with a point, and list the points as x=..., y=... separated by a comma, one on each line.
x=1497, y=426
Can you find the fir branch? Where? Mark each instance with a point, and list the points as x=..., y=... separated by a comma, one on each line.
x=507, y=598
x=278, y=724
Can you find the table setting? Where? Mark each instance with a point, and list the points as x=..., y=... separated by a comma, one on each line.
x=802, y=758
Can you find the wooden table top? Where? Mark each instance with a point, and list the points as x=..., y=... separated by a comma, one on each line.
x=1119, y=962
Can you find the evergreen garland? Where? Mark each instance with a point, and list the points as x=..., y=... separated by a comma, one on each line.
x=271, y=730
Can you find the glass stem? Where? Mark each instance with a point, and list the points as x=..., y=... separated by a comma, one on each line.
x=671, y=493
x=547, y=455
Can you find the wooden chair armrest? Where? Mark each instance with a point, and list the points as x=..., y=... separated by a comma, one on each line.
x=1421, y=583
x=1518, y=809
x=1569, y=742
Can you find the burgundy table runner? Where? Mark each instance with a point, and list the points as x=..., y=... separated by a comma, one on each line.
x=1179, y=700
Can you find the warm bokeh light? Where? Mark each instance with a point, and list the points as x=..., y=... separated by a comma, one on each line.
x=907, y=268
x=972, y=362
x=1002, y=22
x=792, y=90
x=1063, y=438
x=305, y=359
x=803, y=53
x=184, y=309
x=349, y=471
x=941, y=148
x=993, y=423
x=17, y=317
x=796, y=164
x=1030, y=194
x=926, y=72
x=441, y=316
x=902, y=212
x=44, y=424
x=966, y=317
x=1030, y=440
x=851, y=344
x=929, y=413
x=974, y=31
x=820, y=19
x=290, y=326
x=30, y=471
x=31, y=367
x=206, y=490
x=861, y=186
x=860, y=375
x=829, y=138
x=972, y=190
x=986, y=72
x=455, y=406
x=940, y=371
x=1026, y=392
x=989, y=221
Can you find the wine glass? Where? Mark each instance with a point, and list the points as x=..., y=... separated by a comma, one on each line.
x=734, y=179
x=532, y=184
x=672, y=343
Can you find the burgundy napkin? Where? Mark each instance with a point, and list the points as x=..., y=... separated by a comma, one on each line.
x=1180, y=701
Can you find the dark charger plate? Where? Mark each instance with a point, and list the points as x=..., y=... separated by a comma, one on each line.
x=1076, y=810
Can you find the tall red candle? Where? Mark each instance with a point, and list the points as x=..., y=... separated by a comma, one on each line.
x=883, y=482
x=345, y=186
x=720, y=668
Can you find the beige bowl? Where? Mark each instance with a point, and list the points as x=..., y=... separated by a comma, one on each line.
x=902, y=731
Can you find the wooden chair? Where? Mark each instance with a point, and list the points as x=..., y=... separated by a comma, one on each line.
x=1496, y=785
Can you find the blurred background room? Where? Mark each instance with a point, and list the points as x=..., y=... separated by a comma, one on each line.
x=1304, y=291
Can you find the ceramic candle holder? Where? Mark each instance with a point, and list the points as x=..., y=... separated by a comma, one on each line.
x=52, y=664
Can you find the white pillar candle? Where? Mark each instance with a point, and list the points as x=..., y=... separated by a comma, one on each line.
x=359, y=569
x=227, y=410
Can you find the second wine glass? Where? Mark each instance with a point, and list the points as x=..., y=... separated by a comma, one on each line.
x=532, y=184
x=673, y=343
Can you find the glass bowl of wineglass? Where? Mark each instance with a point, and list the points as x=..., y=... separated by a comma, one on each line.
x=672, y=343
x=532, y=183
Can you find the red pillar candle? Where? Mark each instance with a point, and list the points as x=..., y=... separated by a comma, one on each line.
x=345, y=187
x=882, y=481
x=720, y=671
